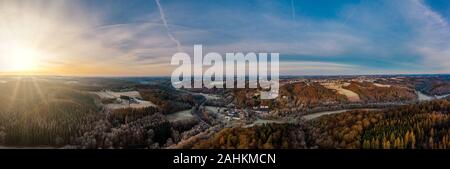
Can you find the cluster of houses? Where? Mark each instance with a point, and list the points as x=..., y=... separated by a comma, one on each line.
x=234, y=114
x=243, y=114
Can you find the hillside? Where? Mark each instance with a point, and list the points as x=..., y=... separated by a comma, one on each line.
x=421, y=126
x=369, y=92
x=258, y=137
x=308, y=95
x=37, y=112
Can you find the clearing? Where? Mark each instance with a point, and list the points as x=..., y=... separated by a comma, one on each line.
x=118, y=103
x=181, y=115
x=351, y=96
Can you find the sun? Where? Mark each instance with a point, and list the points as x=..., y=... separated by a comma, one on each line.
x=23, y=59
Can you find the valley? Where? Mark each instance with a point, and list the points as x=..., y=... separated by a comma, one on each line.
x=74, y=112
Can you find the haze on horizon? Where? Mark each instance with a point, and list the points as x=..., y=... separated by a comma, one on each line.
x=138, y=38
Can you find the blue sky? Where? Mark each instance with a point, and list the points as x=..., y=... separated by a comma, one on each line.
x=312, y=36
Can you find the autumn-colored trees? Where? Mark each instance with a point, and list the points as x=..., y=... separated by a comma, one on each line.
x=424, y=125
x=369, y=92
x=416, y=126
x=259, y=137
x=304, y=94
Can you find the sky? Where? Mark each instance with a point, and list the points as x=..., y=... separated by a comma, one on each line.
x=138, y=38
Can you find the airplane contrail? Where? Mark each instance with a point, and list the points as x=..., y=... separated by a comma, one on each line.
x=293, y=9
x=163, y=18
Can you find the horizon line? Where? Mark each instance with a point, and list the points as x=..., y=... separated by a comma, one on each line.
x=167, y=76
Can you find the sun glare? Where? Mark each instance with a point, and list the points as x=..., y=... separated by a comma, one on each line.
x=24, y=59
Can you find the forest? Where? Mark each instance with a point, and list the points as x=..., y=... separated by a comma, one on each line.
x=49, y=113
x=369, y=92
x=302, y=96
x=308, y=95
x=437, y=85
x=270, y=136
x=417, y=126
x=168, y=99
x=41, y=113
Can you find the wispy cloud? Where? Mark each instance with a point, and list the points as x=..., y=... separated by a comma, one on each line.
x=293, y=9
x=163, y=19
x=316, y=68
x=375, y=36
x=433, y=35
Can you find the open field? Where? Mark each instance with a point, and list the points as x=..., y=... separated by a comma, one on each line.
x=107, y=94
x=351, y=96
x=381, y=85
x=181, y=115
x=116, y=102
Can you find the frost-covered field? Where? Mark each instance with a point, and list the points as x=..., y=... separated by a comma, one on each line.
x=181, y=115
x=120, y=103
